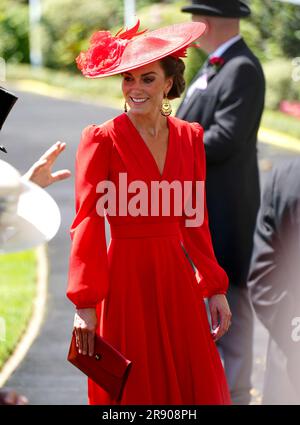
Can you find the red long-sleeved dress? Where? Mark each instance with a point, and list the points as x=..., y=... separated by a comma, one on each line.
x=149, y=301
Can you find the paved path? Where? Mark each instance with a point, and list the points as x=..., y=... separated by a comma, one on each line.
x=35, y=123
x=45, y=376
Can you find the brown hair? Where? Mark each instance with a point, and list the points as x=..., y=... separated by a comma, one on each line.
x=174, y=68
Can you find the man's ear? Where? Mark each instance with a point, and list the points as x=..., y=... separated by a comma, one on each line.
x=207, y=25
x=205, y=20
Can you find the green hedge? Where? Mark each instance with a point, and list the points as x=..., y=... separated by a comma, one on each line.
x=272, y=31
x=14, y=27
x=280, y=84
x=278, y=27
x=68, y=24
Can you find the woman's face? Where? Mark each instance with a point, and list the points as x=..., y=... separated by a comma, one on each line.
x=144, y=88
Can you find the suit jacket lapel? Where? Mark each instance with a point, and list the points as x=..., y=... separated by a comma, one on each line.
x=231, y=52
x=184, y=108
x=234, y=50
x=212, y=72
x=183, y=105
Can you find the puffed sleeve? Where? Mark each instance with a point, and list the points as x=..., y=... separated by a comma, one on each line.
x=88, y=264
x=197, y=239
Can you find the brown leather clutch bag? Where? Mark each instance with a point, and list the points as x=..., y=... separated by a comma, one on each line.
x=107, y=367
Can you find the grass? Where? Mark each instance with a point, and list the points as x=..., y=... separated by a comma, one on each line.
x=278, y=121
x=17, y=291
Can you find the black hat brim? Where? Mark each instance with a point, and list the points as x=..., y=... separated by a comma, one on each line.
x=7, y=101
x=205, y=10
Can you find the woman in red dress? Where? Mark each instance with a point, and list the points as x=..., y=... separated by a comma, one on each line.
x=142, y=294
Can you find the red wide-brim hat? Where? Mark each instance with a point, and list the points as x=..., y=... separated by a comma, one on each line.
x=110, y=55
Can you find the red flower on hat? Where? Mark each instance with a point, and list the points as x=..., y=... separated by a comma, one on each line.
x=182, y=53
x=105, y=51
x=217, y=62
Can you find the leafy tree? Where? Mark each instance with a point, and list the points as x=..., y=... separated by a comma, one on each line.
x=278, y=24
x=288, y=33
x=68, y=24
x=14, y=27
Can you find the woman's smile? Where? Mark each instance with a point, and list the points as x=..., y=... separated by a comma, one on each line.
x=138, y=100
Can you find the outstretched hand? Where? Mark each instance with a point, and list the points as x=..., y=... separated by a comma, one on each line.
x=40, y=172
x=220, y=315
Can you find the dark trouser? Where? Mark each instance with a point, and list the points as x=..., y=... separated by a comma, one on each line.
x=236, y=346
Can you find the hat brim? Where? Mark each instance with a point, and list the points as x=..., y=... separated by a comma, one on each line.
x=38, y=220
x=155, y=45
x=7, y=101
x=205, y=10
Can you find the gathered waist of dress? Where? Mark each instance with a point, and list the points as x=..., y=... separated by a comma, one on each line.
x=145, y=230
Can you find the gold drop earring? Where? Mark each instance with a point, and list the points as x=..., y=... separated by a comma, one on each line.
x=125, y=107
x=166, y=107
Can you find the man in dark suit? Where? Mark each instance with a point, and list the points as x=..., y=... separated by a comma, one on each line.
x=227, y=98
x=274, y=280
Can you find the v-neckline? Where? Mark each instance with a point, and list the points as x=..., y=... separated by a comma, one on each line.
x=148, y=151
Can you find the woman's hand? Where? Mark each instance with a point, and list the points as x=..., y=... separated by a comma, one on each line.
x=40, y=172
x=85, y=323
x=220, y=315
